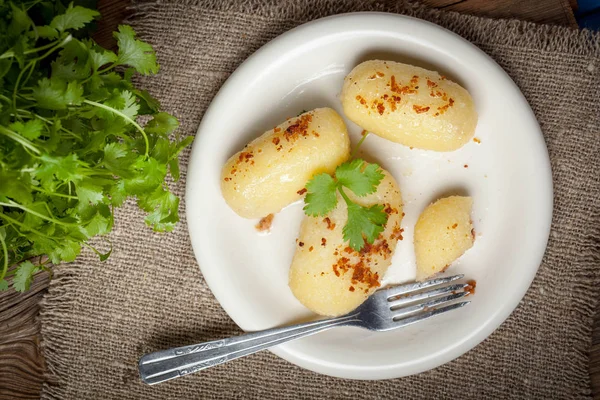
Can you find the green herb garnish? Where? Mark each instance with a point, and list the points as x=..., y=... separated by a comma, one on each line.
x=362, y=178
x=71, y=146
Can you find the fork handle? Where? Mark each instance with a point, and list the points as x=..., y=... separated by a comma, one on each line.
x=169, y=364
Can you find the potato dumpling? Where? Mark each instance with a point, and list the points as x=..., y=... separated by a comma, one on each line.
x=328, y=276
x=271, y=171
x=409, y=105
x=443, y=233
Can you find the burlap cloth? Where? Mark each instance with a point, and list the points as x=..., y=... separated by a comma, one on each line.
x=99, y=318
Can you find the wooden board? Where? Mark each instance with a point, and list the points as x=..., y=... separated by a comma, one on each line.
x=21, y=361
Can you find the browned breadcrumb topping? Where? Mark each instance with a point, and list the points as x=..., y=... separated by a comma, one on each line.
x=363, y=133
x=380, y=108
x=394, y=87
x=389, y=209
x=302, y=191
x=227, y=179
x=361, y=100
x=472, y=284
x=330, y=225
x=276, y=141
x=265, y=223
x=431, y=84
x=420, y=109
x=445, y=107
x=323, y=242
x=454, y=226
x=311, y=248
x=301, y=244
x=340, y=263
x=276, y=129
x=476, y=140
x=245, y=156
x=397, y=232
x=380, y=74
x=466, y=166
x=298, y=128
x=473, y=233
x=351, y=288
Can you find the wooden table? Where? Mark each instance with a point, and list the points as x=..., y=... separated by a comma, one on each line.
x=21, y=360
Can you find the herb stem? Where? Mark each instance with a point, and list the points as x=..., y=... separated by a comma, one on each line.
x=66, y=196
x=14, y=221
x=37, y=214
x=46, y=120
x=360, y=142
x=18, y=138
x=5, y=263
x=107, y=68
x=344, y=195
x=126, y=118
x=66, y=40
x=44, y=47
x=18, y=82
x=7, y=54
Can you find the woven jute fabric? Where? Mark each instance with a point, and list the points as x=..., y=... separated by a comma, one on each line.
x=99, y=318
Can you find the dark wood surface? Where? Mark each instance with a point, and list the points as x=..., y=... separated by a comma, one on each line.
x=22, y=368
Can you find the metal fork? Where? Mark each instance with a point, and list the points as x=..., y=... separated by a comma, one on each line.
x=386, y=309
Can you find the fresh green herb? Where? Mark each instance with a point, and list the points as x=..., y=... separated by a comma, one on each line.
x=362, y=178
x=71, y=146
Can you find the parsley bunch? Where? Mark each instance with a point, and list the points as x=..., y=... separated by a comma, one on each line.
x=364, y=223
x=71, y=146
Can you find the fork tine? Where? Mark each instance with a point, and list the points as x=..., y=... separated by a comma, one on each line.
x=426, y=295
x=423, y=316
x=428, y=305
x=412, y=287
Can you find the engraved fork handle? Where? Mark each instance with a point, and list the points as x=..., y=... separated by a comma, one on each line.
x=169, y=364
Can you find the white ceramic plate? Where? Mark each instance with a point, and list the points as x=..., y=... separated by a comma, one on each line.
x=508, y=176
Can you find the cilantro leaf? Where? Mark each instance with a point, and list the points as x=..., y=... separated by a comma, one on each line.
x=46, y=32
x=162, y=206
x=124, y=102
x=31, y=129
x=89, y=193
x=99, y=56
x=367, y=221
x=65, y=250
x=135, y=53
x=174, y=169
x=3, y=285
x=57, y=94
x=361, y=179
x=321, y=196
x=67, y=168
x=162, y=124
x=20, y=20
x=73, y=18
x=24, y=276
x=97, y=225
